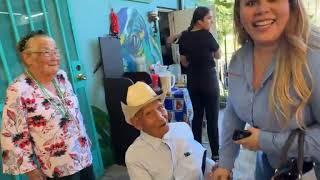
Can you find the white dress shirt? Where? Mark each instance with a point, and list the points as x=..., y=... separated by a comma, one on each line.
x=177, y=156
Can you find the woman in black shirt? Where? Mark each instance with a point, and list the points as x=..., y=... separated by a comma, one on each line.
x=198, y=48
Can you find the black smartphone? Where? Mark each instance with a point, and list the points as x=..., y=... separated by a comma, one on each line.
x=240, y=134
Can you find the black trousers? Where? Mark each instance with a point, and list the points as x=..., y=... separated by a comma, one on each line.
x=84, y=174
x=204, y=94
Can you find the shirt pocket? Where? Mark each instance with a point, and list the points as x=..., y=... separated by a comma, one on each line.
x=190, y=161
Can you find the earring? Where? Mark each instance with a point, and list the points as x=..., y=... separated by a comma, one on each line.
x=243, y=30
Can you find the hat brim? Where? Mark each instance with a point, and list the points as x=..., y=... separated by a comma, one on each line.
x=130, y=111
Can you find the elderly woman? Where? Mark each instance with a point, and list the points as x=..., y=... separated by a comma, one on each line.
x=42, y=119
x=274, y=85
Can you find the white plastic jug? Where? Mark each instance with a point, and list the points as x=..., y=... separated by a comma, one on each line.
x=167, y=80
x=175, y=69
x=160, y=69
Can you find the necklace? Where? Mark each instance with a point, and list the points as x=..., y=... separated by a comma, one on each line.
x=60, y=106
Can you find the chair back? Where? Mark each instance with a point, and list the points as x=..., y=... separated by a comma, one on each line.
x=138, y=76
x=122, y=134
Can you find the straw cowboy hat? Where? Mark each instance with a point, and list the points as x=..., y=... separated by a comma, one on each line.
x=139, y=95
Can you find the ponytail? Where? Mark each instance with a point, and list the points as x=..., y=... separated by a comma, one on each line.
x=190, y=27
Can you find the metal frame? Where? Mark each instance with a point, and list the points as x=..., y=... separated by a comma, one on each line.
x=13, y=21
x=65, y=43
x=26, y=3
x=44, y=10
x=4, y=63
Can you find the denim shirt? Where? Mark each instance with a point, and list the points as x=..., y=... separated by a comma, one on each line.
x=248, y=106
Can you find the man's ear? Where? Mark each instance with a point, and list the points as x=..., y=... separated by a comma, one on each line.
x=136, y=122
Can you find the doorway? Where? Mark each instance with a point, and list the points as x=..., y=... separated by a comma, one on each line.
x=164, y=30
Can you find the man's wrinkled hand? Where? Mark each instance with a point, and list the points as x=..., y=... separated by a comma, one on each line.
x=220, y=174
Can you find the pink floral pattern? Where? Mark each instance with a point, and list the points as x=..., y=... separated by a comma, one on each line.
x=33, y=127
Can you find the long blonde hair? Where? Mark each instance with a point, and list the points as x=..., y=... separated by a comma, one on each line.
x=292, y=74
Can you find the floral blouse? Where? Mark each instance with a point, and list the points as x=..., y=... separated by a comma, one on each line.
x=33, y=127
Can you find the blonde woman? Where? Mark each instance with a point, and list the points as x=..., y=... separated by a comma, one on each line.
x=274, y=84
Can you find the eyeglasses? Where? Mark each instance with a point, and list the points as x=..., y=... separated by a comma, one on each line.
x=47, y=53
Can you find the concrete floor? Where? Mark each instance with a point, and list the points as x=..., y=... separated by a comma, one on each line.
x=116, y=172
x=244, y=165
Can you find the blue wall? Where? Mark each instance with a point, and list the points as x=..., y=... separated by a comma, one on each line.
x=90, y=20
x=167, y=3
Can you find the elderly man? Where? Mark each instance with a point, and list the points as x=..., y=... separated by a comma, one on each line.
x=163, y=151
